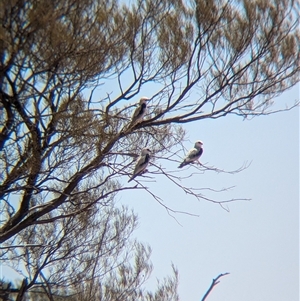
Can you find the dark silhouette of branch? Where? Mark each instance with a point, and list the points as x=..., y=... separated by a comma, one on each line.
x=213, y=284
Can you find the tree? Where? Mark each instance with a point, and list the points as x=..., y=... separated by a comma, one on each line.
x=86, y=257
x=67, y=151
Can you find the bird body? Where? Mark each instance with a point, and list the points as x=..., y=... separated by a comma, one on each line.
x=139, y=112
x=193, y=155
x=141, y=163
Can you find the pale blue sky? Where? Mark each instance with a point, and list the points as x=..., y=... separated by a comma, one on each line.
x=257, y=241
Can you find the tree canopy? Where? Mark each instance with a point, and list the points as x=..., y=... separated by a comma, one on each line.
x=67, y=150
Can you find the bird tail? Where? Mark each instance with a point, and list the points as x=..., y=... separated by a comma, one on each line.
x=182, y=164
x=131, y=178
x=127, y=127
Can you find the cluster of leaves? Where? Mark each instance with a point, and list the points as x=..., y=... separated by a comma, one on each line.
x=86, y=257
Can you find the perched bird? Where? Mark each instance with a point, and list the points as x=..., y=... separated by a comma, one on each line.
x=139, y=112
x=193, y=155
x=141, y=163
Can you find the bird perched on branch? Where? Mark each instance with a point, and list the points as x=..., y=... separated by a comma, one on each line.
x=139, y=112
x=141, y=163
x=193, y=155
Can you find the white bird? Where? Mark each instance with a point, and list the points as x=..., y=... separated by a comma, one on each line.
x=141, y=163
x=140, y=111
x=193, y=155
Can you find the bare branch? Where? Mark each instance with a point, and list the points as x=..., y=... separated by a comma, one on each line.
x=213, y=284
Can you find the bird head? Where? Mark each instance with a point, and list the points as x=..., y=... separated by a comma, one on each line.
x=198, y=144
x=144, y=100
x=146, y=151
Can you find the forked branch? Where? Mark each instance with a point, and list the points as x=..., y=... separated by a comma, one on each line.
x=213, y=284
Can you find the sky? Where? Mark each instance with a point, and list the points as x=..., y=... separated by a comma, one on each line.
x=257, y=241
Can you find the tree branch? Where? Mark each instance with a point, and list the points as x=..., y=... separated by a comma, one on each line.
x=213, y=284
